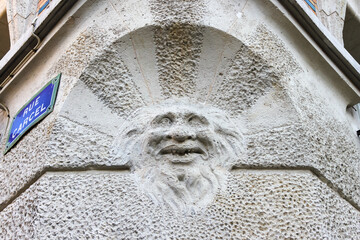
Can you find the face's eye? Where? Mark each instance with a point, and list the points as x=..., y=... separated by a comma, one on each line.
x=165, y=121
x=162, y=121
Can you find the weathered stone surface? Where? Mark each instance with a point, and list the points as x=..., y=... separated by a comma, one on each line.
x=80, y=52
x=288, y=141
x=291, y=148
x=24, y=161
x=178, y=44
x=334, y=153
x=74, y=145
x=245, y=79
x=289, y=106
x=255, y=204
x=109, y=78
x=92, y=114
x=180, y=152
x=272, y=50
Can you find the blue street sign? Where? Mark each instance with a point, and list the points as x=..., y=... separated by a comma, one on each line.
x=33, y=111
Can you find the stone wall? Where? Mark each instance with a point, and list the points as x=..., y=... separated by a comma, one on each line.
x=296, y=175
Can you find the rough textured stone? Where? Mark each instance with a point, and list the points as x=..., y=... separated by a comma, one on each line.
x=80, y=52
x=272, y=50
x=109, y=78
x=263, y=152
x=255, y=204
x=74, y=145
x=289, y=106
x=246, y=78
x=270, y=112
x=24, y=161
x=248, y=73
x=178, y=44
x=335, y=153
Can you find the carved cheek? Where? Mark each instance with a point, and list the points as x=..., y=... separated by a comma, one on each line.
x=155, y=137
x=205, y=137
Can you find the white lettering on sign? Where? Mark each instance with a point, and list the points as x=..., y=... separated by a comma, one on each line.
x=25, y=121
x=31, y=106
x=33, y=114
x=25, y=111
x=30, y=117
x=14, y=133
x=37, y=100
x=42, y=108
x=37, y=111
x=33, y=111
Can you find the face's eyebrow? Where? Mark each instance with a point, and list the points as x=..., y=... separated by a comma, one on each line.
x=202, y=118
x=192, y=114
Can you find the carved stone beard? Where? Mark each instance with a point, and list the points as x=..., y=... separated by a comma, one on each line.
x=179, y=153
x=186, y=188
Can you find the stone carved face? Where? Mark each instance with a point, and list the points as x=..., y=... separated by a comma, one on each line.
x=180, y=152
x=180, y=137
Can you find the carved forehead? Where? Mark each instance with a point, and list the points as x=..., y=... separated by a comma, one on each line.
x=178, y=113
x=177, y=109
x=142, y=119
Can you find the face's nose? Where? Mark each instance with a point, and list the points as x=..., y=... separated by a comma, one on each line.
x=180, y=134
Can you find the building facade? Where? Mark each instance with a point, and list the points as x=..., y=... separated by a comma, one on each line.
x=181, y=119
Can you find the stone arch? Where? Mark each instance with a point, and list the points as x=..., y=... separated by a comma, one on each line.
x=154, y=63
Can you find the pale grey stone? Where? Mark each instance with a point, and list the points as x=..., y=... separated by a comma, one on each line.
x=285, y=102
x=110, y=80
x=107, y=204
x=180, y=152
x=178, y=45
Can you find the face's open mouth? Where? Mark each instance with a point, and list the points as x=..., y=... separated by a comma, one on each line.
x=181, y=151
x=182, y=154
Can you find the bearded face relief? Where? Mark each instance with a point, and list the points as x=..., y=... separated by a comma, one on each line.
x=180, y=137
x=180, y=152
